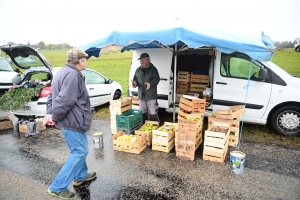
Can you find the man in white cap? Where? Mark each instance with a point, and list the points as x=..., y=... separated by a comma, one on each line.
x=68, y=107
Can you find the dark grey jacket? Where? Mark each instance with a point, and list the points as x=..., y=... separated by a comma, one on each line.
x=69, y=102
x=149, y=74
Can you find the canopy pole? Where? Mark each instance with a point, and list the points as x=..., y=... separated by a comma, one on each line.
x=174, y=82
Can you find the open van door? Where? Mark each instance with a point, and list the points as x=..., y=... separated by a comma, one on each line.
x=162, y=60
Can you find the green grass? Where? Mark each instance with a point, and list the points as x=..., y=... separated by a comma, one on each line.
x=116, y=66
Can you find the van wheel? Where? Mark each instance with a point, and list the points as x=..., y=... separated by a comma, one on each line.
x=286, y=121
x=117, y=95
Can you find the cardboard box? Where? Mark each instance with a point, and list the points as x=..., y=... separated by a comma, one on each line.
x=6, y=123
x=23, y=128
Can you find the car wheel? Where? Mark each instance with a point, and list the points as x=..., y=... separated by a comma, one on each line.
x=286, y=121
x=297, y=49
x=117, y=94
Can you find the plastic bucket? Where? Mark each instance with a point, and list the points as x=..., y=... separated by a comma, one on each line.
x=237, y=162
x=98, y=140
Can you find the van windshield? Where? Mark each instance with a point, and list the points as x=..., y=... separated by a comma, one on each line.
x=5, y=66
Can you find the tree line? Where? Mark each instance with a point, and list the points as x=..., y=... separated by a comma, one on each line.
x=42, y=45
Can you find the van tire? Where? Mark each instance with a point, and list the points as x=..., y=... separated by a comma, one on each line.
x=286, y=121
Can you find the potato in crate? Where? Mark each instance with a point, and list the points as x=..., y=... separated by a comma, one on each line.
x=147, y=129
x=129, y=143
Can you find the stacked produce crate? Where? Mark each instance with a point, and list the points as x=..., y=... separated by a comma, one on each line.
x=163, y=138
x=199, y=82
x=189, y=135
x=129, y=143
x=216, y=143
x=189, y=105
x=230, y=117
x=135, y=103
x=183, y=82
x=147, y=130
x=118, y=107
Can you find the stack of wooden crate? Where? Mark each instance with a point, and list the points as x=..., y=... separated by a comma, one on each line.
x=190, y=105
x=189, y=135
x=135, y=102
x=216, y=143
x=183, y=82
x=118, y=107
x=230, y=117
x=163, y=138
x=199, y=82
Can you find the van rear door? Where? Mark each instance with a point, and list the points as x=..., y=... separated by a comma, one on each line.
x=162, y=60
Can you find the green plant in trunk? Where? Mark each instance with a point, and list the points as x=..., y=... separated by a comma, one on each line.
x=17, y=98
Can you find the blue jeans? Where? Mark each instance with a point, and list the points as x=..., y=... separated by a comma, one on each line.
x=75, y=166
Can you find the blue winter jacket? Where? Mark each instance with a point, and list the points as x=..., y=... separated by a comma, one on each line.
x=69, y=102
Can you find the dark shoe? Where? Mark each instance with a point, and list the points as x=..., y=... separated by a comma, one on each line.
x=62, y=195
x=90, y=177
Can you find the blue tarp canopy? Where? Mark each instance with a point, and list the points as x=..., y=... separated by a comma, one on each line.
x=180, y=39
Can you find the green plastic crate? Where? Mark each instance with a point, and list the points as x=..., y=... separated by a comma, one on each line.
x=129, y=119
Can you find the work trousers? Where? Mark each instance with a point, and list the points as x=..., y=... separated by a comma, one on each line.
x=150, y=106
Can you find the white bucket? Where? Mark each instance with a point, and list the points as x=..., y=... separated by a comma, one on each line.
x=98, y=140
x=237, y=161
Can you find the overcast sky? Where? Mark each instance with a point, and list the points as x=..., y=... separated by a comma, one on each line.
x=79, y=22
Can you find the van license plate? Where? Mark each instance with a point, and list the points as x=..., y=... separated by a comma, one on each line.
x=26, y=108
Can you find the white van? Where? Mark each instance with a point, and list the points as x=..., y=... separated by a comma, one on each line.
x=273, y=95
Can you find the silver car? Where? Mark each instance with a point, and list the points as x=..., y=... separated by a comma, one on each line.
x=37, y=68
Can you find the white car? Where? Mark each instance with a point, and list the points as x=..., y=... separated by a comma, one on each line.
x=100, y=88
x=6, y=74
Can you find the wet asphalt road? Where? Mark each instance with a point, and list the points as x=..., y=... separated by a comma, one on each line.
x=28, y=166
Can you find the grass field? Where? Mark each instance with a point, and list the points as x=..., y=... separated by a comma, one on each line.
x=116, y=66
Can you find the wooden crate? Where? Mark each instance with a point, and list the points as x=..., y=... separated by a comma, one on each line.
x=197, y=78
x=122, y=102
x=137, y=146
x=195, y=87
x=215, y=156
x=215, y=144
x=233, y=136
x=182, y=87
x=164, y=148
x=148, y=134
x=135, y=100
x=183, y=76
x=23, y=128
x=119, y=110
x=192, y=104
x=232, y=122
x=6, y=123
x=232, y=113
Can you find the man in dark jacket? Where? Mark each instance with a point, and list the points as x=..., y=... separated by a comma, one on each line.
x=69, y=108
x=146, y=78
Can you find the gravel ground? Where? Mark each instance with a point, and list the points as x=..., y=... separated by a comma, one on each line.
x=28, y=165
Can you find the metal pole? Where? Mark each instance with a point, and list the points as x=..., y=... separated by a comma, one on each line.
x=174, y=82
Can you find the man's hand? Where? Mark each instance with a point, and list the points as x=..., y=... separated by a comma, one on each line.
x=147, y=85
x=134, y=84
x=48, y=120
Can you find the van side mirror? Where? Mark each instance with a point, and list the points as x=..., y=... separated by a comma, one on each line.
x=263, y=74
